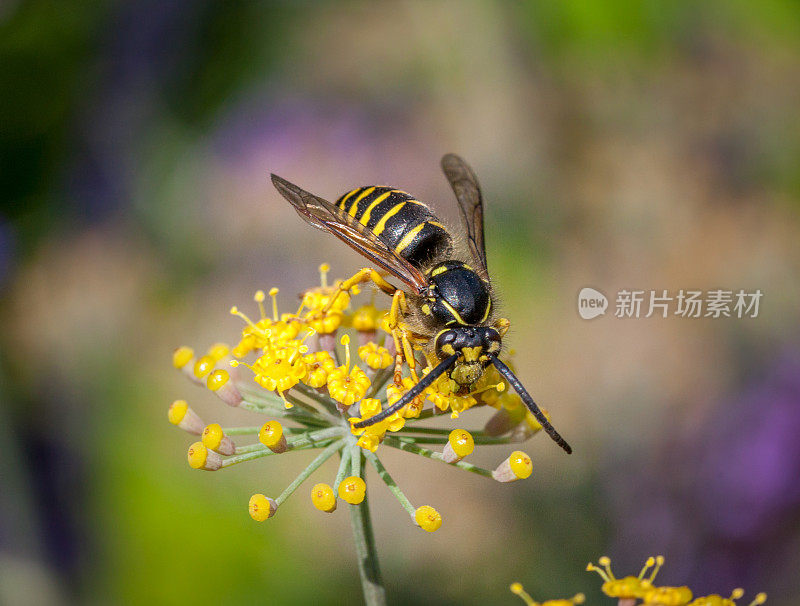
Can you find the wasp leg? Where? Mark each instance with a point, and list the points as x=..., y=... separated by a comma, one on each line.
x=364, y=275
x=402, y=343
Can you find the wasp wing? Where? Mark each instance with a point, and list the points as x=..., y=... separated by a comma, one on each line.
x=328, y=217
x=468, y=193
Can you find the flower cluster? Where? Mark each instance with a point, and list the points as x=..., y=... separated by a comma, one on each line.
x=641, y=590
x=299, y=370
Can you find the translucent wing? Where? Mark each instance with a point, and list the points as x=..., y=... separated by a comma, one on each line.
x=324, y=215
x=468, y=193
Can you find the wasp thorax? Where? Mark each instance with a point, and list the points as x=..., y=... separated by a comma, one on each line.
x=457, y=295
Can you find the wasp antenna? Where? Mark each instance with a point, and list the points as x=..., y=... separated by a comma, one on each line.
x=411, y=393
x=526, y=397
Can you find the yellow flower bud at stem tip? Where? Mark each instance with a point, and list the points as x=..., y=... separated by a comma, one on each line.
x=271, y=436
x=323, y=498
x=181, y=415
x=182, y=356
x=428, y=518
x=517, y=466
x=261, y=507
x=201, y=457
x=215, y=439
x=352, y=490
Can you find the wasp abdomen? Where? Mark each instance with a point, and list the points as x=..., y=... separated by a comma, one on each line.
x=406, y=225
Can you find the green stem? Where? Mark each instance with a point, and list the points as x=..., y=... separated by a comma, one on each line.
x=326, y=402
x=442, y=440
x=367, y=554
x=312, y=467
x=298, y=441
x=380, y=379
x=252, y=454
x=389, y=481
x=282, y=412
x=309, y=408
x=344, y=467
x=249, y=431
x=431, y=454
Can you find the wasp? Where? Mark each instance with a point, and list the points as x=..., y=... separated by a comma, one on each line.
x=446, y=306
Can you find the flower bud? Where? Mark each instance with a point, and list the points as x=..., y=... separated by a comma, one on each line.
x=183, y=416
x=323, y=498
x=271, y=436
x=183, y=359
x=428, y=518
x=261, y=507
x=459, y=445
x=218, y=351
x=203, y=366
x=352, y=490
x=518, y=466
x=219, y=382
x=216, y=440
x=201, y=457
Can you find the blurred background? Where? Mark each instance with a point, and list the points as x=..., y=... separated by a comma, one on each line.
x=649, y=145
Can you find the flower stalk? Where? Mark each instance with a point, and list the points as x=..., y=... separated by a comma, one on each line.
x=364, y=538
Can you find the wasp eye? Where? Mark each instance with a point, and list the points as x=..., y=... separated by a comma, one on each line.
x=444, y=343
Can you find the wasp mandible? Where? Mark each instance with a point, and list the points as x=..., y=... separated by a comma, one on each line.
x=446, y=307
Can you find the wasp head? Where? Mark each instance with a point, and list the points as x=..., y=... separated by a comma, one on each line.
x=475, y=346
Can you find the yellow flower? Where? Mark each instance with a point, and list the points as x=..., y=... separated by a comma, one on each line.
x=394, y=393
x=366, y=318
x=627, y=587
x=718, y=600
x=319, y=366
x=517, y=589
x=375, y=356
x=279, y=370
x=347, y=385
x=323, y=395
x=667, y=596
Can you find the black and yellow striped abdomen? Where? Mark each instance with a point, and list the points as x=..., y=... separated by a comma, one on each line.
x=405, y=224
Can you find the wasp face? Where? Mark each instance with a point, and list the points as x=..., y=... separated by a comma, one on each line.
x=475, y=346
